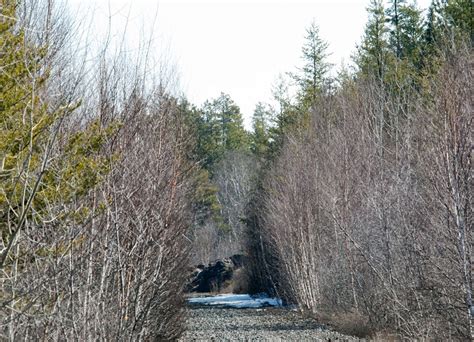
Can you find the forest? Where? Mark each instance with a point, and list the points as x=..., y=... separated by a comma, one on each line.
x=351, y=197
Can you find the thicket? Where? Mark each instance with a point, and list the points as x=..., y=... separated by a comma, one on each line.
x=95, y=187
x=364, y=215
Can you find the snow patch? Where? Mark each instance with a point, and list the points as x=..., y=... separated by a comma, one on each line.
x=239, y=301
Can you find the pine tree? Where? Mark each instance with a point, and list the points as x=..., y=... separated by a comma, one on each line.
x=205, y=202
x=222, y=128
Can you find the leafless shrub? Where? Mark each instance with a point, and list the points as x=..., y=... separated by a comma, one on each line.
x=143, y=231
x=234, y=178
x=207, y=244
x=106, y=261
x=370, y=211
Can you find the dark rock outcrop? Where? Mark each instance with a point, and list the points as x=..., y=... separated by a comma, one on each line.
x=216, y=276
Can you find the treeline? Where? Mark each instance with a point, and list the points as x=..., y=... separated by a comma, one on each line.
x=223, y=184
x=363, y=215
x=95, y=181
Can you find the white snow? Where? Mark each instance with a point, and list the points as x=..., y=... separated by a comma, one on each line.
x=239, y=301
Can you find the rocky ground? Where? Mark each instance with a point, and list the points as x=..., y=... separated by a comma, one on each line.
x=264, y=324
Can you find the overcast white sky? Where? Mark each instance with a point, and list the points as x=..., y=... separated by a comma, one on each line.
x=234, y=46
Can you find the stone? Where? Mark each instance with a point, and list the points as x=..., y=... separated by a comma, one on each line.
x=216, y=276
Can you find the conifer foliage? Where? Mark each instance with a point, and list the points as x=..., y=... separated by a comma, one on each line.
x=315, y=68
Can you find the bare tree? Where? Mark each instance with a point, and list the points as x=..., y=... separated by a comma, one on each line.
x=95, y=248
x=367, y=215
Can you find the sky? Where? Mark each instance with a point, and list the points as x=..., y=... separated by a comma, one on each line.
x=238, y=47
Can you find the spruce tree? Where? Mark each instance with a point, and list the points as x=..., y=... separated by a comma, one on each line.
x=460, y=17
x=261, y=122
x=394, y=17
x=432, y=37
x=312, y=75
x=405, y=31
x=374, y=57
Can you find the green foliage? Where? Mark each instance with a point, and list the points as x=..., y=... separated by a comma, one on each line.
x=24, y=119
x=289, y=117
x=460, y=18
x=447, y=24
x=205, y=202
x=315, y=68
x=432, y=38
x=81, y=166
x=311, y=80
x=374, y=56
x=411, y=31
x=393, y=44
x=220, y=129
x=41, y=170
x=261, y=121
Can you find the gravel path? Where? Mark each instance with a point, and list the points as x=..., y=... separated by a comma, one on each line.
x=264, y=324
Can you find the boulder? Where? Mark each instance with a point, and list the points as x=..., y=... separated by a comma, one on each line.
x=216, y=276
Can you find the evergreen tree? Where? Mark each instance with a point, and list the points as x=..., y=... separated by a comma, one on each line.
x=218, y=128
x=205, y=202
x=460, y=17
x=432, y=36
x=394, y=17
x=446, y=23
x=261, y=121
x=374, y=57
x=433, y=26
x=406, y=30
x=222, y=128
x=314, y=71
x=24, y=122
x=411, y=33
x=286, y=110
x=36, y=175
x=286, y=118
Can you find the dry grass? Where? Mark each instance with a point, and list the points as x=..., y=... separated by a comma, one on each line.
x=348, y=323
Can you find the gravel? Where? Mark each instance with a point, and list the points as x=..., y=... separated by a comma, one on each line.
x=264, y=324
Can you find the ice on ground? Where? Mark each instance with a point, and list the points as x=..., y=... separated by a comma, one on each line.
x=239, y=301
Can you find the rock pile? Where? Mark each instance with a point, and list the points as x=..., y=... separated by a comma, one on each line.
x=216, y=276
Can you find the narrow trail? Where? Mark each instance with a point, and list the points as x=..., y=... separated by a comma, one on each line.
x=221, y=323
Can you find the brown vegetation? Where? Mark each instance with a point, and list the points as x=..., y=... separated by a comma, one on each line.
x=369, y=211
x=94, y=216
